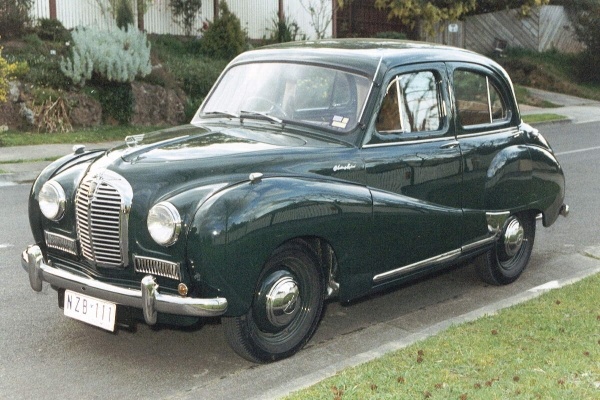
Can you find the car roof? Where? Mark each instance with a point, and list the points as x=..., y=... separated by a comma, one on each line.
x=365, y=56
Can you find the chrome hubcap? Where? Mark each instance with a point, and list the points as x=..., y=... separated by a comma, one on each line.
x=513, y=237
x=282, y=301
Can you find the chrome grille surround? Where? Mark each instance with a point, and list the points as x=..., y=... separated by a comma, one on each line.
x=154, y=266
x=102, y=206
x=60, y=242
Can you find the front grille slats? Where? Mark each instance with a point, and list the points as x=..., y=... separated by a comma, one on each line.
x=158, y=267
x=102, y=205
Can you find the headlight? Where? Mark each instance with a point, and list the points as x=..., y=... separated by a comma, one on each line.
x=52, y=200
x=164, y=223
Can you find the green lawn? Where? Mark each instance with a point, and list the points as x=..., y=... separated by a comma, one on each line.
x=541, y=118
x=93, y=135
x=546, y=348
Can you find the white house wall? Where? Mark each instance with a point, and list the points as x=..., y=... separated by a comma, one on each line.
x=256, y=16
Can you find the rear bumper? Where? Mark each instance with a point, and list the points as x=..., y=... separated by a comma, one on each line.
x=146, y=298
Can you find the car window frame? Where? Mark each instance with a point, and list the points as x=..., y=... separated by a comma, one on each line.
x=493, y=79
x=375, y=139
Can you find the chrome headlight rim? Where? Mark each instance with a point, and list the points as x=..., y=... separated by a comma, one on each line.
x=52, y=201
x=164, y=223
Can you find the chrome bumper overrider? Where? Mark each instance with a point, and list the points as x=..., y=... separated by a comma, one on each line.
x=147, y=298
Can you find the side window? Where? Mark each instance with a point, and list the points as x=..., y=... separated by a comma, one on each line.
x=478, y=100
x=411, y=104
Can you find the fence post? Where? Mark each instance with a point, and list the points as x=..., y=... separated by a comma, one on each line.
x=52, y=6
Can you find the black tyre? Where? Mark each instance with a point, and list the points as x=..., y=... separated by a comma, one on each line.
x=286, y=307
x=507, y=261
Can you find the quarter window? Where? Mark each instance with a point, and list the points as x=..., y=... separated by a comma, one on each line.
x=411, y=104
x=478, y=100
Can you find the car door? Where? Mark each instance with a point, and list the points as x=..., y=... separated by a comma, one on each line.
x=413, y=169
x=496, y=164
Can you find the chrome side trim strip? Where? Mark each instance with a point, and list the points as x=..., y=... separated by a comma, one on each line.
x=502, y=130
x=454, y=254
x=408, y=142
x=479, y=243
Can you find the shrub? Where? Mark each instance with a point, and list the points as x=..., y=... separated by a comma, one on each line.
x=124, y=14
x=7, y=71
x=196, y=77
x=4, y=70
x=224, y=37
x=116, y=56
x=39, y=62
x=116, y=100
x=14, y=17
x=186, y=11
x=52, y=29
x=391, y=35
x=285, y=30
x=587, y=66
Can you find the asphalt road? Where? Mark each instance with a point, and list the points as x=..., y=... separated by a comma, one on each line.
x=48, y=356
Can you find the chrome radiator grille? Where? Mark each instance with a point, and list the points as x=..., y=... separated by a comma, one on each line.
x=102, y=206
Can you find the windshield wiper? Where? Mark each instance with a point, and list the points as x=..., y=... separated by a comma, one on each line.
x=244, y=113
x=226, y=113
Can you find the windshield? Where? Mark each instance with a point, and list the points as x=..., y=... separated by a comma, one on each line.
x=286, y=92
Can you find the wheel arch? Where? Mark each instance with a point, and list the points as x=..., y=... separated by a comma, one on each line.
x=235, y=232
x=543, y=190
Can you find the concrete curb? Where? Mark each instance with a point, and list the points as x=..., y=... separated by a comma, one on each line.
x=490, y=309
x=313, y=364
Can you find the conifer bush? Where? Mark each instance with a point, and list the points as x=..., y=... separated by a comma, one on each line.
x=116, y=56
x=224, y=38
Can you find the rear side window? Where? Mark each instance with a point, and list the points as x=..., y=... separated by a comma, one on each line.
x=478, y=100
x=411, y=104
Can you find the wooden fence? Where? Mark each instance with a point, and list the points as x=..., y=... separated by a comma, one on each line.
x=256, y=16
x=546, y=28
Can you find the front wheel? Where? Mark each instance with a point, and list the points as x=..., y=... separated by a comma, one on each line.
x=507, y=260
x=286, y=307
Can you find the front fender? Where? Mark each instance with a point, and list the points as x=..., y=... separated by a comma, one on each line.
x=63, y=164
x=235, y=231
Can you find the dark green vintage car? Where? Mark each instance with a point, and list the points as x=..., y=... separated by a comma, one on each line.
x=312, y=170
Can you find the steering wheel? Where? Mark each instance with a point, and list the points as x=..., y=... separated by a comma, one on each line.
x=274, y=106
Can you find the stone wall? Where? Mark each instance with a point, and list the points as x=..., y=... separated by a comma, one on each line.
x=153, y=105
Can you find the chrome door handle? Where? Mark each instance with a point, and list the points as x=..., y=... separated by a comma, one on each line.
x=450, y=145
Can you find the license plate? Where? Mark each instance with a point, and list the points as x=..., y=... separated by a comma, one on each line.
x=90, y=310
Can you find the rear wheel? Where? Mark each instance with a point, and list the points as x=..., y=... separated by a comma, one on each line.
x=286, y=307
x=507, y=260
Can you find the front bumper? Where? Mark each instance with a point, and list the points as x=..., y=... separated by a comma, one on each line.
x=147, y=298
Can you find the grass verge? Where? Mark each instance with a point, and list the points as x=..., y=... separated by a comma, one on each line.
x=546, y=348
x=21, y=161
x=94, y=135
x=541, y=118
x=551, y=70
x=524, y=97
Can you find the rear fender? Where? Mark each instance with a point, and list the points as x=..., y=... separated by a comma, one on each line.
x=525, y=178
x=548, y=183
x=507, y=184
